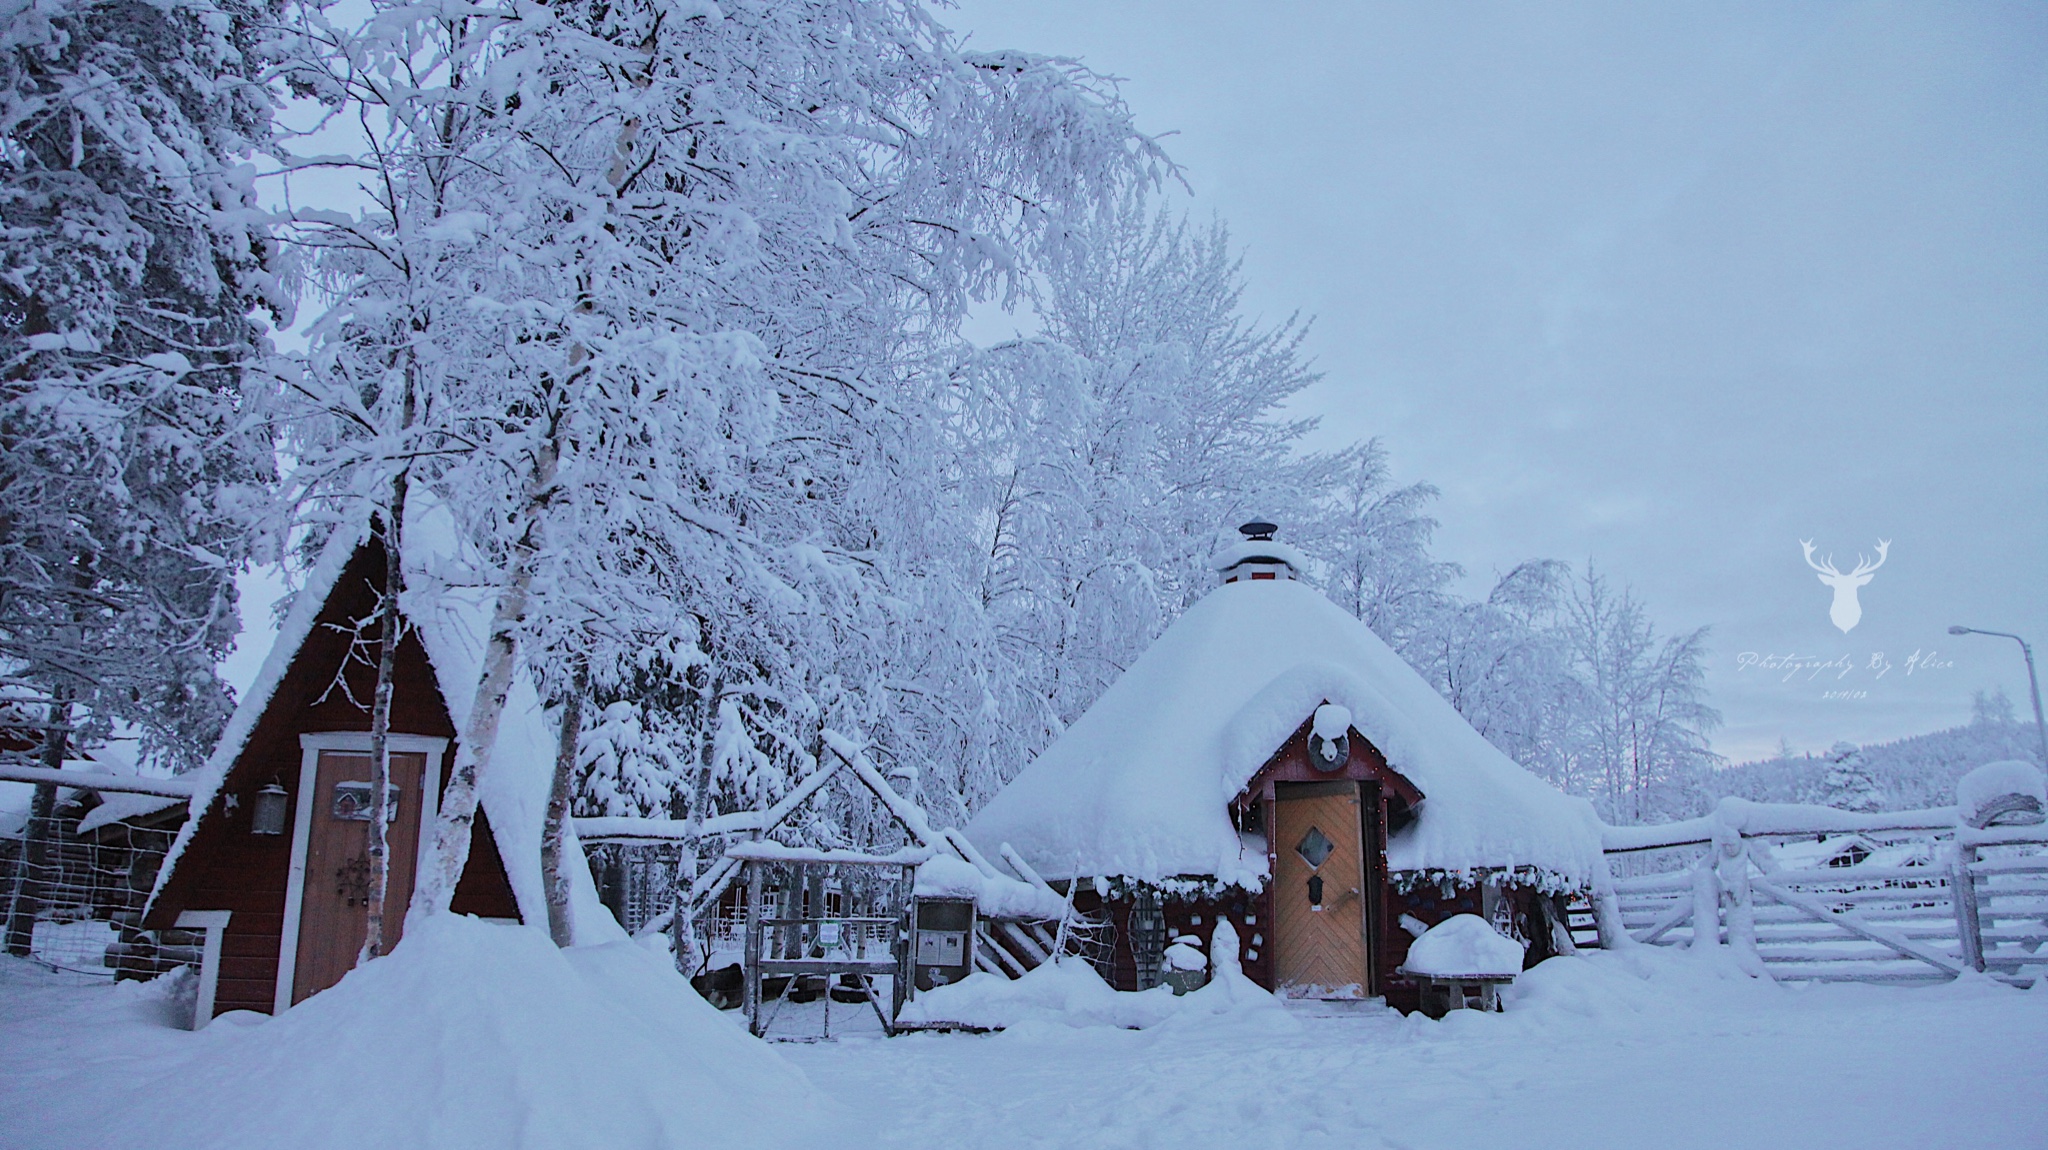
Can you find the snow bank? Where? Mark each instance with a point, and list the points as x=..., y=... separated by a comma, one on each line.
x=471, y=1034
x=1989, y=791
x=1070, y=993
x=995, y=896
x=1467, y=945
x=1139, y=786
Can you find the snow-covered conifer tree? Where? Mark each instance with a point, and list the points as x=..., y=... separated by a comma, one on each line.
x=1848, y=784
x=131, y=258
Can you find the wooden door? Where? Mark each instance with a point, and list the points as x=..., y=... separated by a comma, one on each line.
x=334, y=911
x=1319, y=896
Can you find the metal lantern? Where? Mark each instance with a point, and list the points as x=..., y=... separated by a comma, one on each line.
x=267, y=816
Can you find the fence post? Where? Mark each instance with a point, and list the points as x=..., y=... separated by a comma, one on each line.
x=1732, y=869
x=750, y=968
x=1706, y=905
x=215, y=925
x=1962, y=890
x=1607, y=923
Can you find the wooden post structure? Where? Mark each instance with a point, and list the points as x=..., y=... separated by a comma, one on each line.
x=750, y=985
x=1706, y=905
x=1731, y=870
x=1962, y=890
x=899, y=984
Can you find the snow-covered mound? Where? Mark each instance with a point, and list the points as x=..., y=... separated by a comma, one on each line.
x=2001, y=790
x=1467, y=945
x=473, y=1034
x=1139, y=786
x=1070, y=993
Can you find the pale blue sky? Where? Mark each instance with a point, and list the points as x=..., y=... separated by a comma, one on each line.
x=1666, y=286
x=1669, y=286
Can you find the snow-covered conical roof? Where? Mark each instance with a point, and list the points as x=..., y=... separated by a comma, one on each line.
x=1140, y=785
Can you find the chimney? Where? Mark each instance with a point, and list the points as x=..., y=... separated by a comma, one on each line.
x=1257, y=556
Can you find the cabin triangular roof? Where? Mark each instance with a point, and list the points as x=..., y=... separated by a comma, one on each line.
x=448, y=602
x=1140, y=785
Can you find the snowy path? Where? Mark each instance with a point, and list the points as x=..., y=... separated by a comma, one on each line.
x=1589, y=1056
x=1715, y=1065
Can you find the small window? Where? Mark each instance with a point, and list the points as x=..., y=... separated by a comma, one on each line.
x=1315, y=847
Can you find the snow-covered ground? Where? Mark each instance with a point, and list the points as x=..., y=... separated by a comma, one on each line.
x=1660, y=1050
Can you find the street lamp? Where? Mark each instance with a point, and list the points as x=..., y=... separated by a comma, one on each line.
x=2033, y=683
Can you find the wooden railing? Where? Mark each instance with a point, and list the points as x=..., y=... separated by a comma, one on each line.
x=1980, y=903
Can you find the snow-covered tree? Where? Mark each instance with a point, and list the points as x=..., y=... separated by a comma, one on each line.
x=1505, y=664
x=1643, y=727
x=1097, y=466
x=1374, y=551
x=1848, y=784
x=643, y=296
x=131, y=258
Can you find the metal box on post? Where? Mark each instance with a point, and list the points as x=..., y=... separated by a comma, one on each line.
x=942, y=941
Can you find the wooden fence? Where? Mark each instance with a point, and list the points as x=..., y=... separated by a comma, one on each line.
x=1979, y=903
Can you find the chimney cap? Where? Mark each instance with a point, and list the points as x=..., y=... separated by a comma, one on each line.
x=1258, y=529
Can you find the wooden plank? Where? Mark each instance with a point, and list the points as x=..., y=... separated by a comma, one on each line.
x=2036, y=864
x=1677, y=883
x=1794, y=937
x=1860, y=876
x=1875, y=934
x=1680, y=913
x=826, y=966
x=1864, y=954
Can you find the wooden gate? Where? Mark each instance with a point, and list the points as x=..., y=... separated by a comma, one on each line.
x=1926, y=922
x=334, y=913
x=1319, y=897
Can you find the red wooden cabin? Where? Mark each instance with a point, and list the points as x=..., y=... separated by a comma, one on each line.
x=274, y=866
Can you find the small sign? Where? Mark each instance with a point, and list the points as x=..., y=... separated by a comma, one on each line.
x=941, y=947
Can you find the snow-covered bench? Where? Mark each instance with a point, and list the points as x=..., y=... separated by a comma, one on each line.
x=1461, y=963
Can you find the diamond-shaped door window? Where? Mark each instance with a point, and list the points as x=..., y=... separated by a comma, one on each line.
x=1314, y=847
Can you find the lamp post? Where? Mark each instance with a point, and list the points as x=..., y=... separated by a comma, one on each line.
x=2033, y=682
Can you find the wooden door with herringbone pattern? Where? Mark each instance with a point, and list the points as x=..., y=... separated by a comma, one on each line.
x=1319, y=892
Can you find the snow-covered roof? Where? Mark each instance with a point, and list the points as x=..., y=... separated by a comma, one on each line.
x=449, y=604
x=1140, y=785
x=1253, y=550
x=115, y=806
x=1811, y=853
